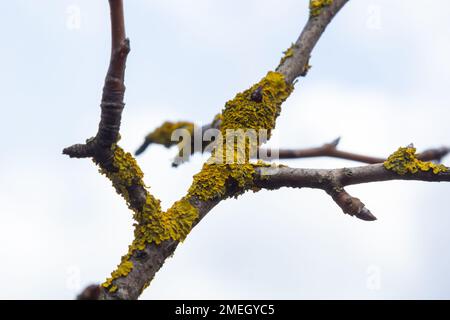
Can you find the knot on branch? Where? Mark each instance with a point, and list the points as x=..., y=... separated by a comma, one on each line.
x=120, y=52
x=123, y=50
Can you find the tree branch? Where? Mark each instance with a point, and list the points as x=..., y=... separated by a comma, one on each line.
x=295, y=63
x=140, y=265
x=112, y=103
x=158, y=233
x=333, y=182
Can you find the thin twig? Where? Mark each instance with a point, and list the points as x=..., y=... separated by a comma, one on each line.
x=112, y=103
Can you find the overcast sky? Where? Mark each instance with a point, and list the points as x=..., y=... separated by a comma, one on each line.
x=379, y=80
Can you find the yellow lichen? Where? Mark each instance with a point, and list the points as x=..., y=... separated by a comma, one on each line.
x=214, y=180
x=405, y=161
x=163, y=134
x=244, y=113
x=113, y=289
x=122, y=270
x=316, y=6
x=221, y=177
x=125, y=172
x=287, y=54
x=157, y=226
x=152, y=224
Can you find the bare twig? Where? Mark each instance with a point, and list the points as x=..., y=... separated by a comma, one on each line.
x=113, y=93
x=331, y=150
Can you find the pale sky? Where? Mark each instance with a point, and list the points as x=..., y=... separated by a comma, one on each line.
x=379, y=80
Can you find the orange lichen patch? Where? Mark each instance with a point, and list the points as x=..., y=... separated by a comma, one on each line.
x=405, y=161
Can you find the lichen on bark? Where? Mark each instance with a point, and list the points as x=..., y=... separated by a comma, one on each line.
x=163, y=134
x=316, y=6
x=405, y=161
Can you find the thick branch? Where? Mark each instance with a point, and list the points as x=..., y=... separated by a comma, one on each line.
x=147, y=262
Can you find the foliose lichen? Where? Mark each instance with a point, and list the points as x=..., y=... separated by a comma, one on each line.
x=404, y=161
x=122, y=270
x=125, y=172
x=316, y=6
x=162, y=135
x=243, y=112
x=152, y=224
x=157, y=226
x=221, y=178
